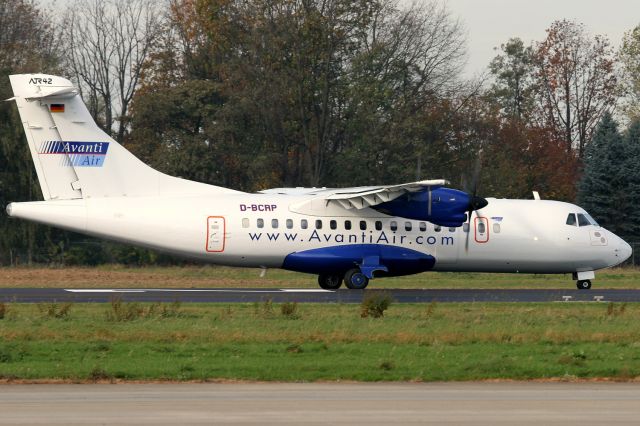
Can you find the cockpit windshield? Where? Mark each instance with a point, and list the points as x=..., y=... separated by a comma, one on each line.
x=591, y=220
x=580, y=219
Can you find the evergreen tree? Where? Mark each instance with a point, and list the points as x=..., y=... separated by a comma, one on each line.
x=602, y=191
x=631, y=175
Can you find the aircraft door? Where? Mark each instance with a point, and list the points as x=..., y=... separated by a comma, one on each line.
x=481, y=229
x=215, y=234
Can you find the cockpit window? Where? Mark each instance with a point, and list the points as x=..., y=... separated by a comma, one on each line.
x=571, y=219
x=591, y=220
x=582, y=220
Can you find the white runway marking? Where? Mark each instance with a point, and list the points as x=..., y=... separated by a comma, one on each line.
x=92, y=290
x=149, y=290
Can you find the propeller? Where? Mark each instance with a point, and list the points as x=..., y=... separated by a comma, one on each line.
x=475, y=202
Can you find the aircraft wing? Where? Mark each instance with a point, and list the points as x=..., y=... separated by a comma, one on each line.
x=363, y=197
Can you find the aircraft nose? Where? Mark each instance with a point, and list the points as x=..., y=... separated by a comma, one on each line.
x=625, y=250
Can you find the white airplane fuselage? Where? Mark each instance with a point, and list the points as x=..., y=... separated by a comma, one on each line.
x=529, y=236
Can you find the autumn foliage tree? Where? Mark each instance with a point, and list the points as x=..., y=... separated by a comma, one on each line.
x=576, y=82
x=300, y=92
x=629, y=57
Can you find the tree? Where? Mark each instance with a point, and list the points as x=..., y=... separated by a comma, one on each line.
x=576, y=82
x=629, y=57
x=303, y=89
x=630, y=179
x=513, y=71
x=603, y=188
x=106, y=45
x=27, y=44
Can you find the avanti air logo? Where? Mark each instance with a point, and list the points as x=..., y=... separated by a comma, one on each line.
x=76, y=154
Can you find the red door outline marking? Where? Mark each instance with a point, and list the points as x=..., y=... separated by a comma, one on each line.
x=481, y=238
x=224, y=233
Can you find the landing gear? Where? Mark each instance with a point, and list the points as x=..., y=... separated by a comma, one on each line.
x=355, y=280
x=583, y=284
x=330, y=281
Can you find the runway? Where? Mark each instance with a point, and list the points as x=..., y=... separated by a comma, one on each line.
x=219, y=295
x=322, y=403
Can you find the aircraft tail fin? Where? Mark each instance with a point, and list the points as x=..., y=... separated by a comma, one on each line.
x=73, y=157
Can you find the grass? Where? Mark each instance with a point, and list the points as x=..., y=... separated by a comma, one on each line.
x=211, y=276
x=322, y=342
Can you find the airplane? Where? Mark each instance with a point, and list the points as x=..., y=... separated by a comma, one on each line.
x=93, y=185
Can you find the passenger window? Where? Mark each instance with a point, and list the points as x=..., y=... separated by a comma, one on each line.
x=304, y=224
x=245, y=222
x=482, y=228
x=289, y=223
x=407, y=226
x=347, y=225
x=378, y=225
x=423, y=226
x=496, y=228
x=465, y=227
x=452, y=229
x=260, y=223
x=571, y=219
x=393, y=225
x=274, y=223
x=318, y=224
x=437, y=228
x=582, y=220
x=333, y=224
x=363, y=225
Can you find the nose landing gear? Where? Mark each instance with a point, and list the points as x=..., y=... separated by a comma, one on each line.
x=583, y=284
x=583, y=279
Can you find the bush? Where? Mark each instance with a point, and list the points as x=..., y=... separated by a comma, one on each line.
x=53, y=310
x=99, y=374
x=289, y=310
x=163, y=310
x=386, y=365
x=264, y=309
x=121, y=311
x=374, y=304
x=612, y=311
x=3, y=310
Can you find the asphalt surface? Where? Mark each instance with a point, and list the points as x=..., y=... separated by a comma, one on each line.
x=37, y=295
x=508, y=403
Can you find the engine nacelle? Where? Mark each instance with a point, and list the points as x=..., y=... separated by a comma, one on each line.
x=441, y=206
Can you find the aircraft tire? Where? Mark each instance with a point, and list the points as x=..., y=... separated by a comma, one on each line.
x=330, y=281
x=583, y=285
x=355, y=280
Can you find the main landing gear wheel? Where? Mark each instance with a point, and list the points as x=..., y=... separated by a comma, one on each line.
x=583, y=285
x=355, y=280
x=330, y=281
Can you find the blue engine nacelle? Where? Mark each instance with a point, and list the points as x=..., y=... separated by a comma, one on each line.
x=441, y=206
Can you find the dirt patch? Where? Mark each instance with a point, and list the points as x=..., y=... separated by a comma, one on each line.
x=141, y=278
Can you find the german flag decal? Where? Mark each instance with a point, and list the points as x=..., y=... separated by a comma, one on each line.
x=56, y=108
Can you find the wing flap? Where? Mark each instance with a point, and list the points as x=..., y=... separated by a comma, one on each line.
x=361, y=198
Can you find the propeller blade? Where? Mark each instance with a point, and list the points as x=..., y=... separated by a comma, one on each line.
x=475, y=202
x=475, y=182
x=466, y=241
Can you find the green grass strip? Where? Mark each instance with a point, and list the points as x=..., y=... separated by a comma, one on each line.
x=320, y=342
